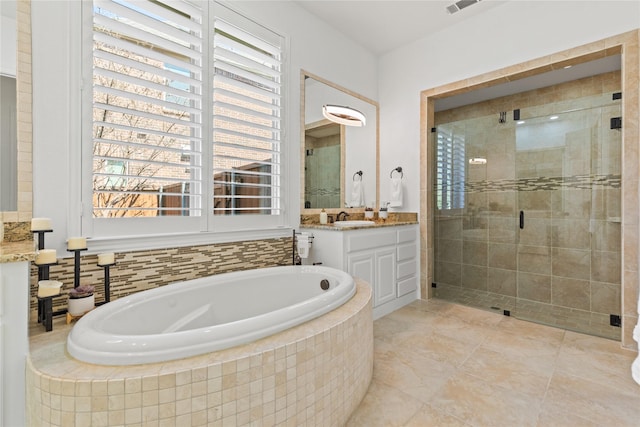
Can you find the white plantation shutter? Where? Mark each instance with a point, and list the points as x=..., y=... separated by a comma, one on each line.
x=147, y=109
x=186, y=114
x=246, y=119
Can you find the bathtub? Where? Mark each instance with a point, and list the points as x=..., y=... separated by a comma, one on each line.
x=206, y=315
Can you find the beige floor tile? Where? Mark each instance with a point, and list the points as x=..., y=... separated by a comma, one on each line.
x=531, y=330
x=481, y=403
x=606, y=406
x=410, y=372
x=440, y=364
x=384, y=406
x=556, y=416
x=427, y=416
x=528, y=376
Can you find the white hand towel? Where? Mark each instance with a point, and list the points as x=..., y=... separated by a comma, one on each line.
x=357, y=194
x=303, y=245
x=395, y=192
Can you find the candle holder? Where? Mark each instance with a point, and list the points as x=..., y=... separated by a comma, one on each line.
x=76, y=266
x=107, y=281
x=41, y=234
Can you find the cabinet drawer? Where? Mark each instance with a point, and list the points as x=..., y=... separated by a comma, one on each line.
x=407, y=235
x=364, y=240
x=407, y=285
x=407, y=268
x=407, y=251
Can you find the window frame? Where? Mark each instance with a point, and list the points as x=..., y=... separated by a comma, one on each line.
x=204, y=228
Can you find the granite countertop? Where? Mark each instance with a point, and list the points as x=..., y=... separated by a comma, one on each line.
x=17, y=251
x=378, y=223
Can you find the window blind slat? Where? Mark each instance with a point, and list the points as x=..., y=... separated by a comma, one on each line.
x=149, y=85
x=158, y=118
x=166, y=73
x=111, y=125
x=151, y=41
x=232, y=57
x=268, y=46
x=246, y=74
x=141, y=51
x=223, y=82
x=163, y=25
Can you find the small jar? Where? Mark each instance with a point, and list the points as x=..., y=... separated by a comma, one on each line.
x=323, y=217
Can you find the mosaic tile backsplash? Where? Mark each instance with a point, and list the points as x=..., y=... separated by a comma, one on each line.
x=141, y=270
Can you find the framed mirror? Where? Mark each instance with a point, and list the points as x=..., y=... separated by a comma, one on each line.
x=8, y=110
x=338, y=163
x=17, y=190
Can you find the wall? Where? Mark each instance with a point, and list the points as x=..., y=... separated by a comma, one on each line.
x=508, y=34
x=313, y=46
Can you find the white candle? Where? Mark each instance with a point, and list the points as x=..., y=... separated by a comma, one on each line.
x=48, y=288
x=46, y=256
x=77, y=243
x=106, y=259
x=40, y=224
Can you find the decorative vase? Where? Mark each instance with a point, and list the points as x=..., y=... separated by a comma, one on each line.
x=82, y=305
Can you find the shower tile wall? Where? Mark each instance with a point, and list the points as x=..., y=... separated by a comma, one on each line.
x=560, y=263
x=137, y=271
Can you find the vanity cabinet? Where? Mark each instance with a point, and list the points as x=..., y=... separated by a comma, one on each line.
x=385, y=257
x=14, y=345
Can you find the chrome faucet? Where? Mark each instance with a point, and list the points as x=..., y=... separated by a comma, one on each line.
x=342, y=215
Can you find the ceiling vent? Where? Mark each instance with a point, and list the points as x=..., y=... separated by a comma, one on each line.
x=459, y=5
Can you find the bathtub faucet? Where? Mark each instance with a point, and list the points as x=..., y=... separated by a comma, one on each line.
x=342, y=215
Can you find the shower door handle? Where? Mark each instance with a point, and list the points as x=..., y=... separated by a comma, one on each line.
x=521, y=220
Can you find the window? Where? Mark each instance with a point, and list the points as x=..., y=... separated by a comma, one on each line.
x=186, y=112
x=450, y=170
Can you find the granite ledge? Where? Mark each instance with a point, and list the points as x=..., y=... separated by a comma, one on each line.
x=378, y=224
x=17, y=251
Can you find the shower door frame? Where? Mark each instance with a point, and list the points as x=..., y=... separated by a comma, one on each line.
x=626, y=45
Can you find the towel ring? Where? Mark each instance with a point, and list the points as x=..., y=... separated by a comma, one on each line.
x=357, y=173
x=399, y=170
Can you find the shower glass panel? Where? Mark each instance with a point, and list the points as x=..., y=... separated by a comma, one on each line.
x=528, y=211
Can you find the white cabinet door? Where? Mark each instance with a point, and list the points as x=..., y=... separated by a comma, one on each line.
x=362, y=265
x=385, y=283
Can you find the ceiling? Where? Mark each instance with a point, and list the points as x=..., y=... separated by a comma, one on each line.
x=381, y=26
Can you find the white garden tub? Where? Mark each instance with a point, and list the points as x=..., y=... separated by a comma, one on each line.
x=205, y=315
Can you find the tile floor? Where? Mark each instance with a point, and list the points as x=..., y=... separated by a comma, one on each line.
x=441, y=364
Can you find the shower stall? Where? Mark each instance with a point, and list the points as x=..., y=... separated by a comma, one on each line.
x=527, y=217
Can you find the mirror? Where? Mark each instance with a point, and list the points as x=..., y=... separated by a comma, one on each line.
x=8, y=111
x=339, y=164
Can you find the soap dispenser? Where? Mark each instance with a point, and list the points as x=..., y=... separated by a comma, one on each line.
x=323, y=217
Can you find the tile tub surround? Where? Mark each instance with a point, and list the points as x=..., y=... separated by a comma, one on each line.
x=141, y=270
x=313, y=374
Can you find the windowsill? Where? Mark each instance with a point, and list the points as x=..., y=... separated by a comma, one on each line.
x=160, y=241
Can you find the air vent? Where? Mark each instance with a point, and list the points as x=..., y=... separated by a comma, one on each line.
x=459, y=5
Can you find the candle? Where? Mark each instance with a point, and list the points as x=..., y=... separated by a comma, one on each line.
x=106, y=259
x=47, y=288
x=46, y=256
x=40, y=224
x=76, y=243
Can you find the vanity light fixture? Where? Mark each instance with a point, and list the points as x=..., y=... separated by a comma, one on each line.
x=343, y=115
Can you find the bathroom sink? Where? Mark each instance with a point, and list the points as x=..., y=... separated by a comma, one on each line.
x=355, y=223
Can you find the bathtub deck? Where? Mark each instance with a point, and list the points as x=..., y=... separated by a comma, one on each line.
x=316, y=372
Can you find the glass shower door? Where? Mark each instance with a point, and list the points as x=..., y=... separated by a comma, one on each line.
x=568, y=202
x=527, y=214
